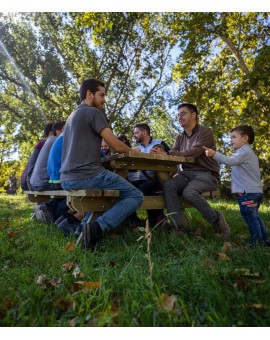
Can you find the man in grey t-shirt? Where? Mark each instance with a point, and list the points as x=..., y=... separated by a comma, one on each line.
x=81, y=165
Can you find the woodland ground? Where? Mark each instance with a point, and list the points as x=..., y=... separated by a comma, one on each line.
x=167, y=280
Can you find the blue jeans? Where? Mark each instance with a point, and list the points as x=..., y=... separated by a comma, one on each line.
x=130, y=197
x=249, y=207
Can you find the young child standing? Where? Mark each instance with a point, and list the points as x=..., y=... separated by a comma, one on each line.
x=245, y=181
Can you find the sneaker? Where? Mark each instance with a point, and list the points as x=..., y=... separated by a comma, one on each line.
x=92, y=234
x=68, y=228
x=48, y=213
x=59, y=220
x=38, y=213
x=78, y=230
x=221, y=226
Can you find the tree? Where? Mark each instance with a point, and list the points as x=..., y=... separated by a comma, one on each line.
x=221, y=55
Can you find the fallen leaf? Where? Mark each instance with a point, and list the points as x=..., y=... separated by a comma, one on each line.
x=44, y=282
x=256, y=306
x=167, y=302
x=8, y=303
x=223, y=257
x=11, y=234
x=76, y=272
x=245, y=272
x=73, y=322
x=208, y=263
x=85, y=284
x=70, y=246
x=68, y=266
x=227, y=246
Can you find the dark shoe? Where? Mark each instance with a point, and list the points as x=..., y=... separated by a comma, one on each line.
x=59, y=220
x=68, y=228
x=221, y=226
x=92, y=234
x=48, y=213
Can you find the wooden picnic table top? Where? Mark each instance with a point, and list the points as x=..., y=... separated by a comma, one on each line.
x=144, y=161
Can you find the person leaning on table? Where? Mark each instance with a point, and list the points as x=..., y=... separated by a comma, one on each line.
x=81, y=164
x=197, y=177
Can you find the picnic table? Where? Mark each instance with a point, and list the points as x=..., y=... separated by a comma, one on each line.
x=98, y=201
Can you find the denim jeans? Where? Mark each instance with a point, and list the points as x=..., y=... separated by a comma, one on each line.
x=249, y=207
x=130, y=197
x=190, y=185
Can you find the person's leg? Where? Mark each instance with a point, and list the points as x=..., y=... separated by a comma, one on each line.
x=172, y=188
x=249, y=205
x=130, y=197
x=200, y=181
x=148, y=188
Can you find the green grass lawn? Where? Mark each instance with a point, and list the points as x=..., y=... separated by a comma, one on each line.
x=195, y=281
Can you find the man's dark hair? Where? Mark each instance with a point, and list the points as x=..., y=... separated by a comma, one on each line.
x=143, y=126
x=48, y=129
x=58, y=126
x=91, y=85
x=191, y=107
x=123, y=138
x=245, y=130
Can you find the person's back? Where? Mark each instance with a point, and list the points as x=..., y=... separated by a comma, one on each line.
x=40, y=179
x=81, y=144
x=81, y=164
x=28, y=170
x=54, y=160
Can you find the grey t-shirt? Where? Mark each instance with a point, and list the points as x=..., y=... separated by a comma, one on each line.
x=40, y=175
x=82, y=143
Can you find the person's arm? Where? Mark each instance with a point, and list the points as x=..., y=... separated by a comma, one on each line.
x=113, y=142
x=235, y=159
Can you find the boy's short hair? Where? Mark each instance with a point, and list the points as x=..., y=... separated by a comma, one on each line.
x=160, y=146
x=245, y=130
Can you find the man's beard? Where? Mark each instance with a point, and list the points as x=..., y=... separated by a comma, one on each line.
x=95, y=104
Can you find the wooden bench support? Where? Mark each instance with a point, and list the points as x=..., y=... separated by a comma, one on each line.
x=99, y=201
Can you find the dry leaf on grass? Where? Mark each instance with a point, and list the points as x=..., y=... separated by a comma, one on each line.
x=256, y=306
x=227, y=246
x=70, y=246
x=85, y=285
x=223, y=257
x=44, y=282
x=168, y=303
x=68, y=266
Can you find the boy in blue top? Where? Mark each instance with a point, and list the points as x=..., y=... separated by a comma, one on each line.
x=245, y=181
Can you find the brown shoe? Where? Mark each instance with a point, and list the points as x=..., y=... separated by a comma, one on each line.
x=221, y=226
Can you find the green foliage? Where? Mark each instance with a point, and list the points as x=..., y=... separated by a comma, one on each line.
x=197, y=281
x=149, y=61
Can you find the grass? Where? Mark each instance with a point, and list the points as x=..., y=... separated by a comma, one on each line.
x=195, y=281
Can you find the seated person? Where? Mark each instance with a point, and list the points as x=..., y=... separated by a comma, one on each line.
x=28, y=170
x=147, y=182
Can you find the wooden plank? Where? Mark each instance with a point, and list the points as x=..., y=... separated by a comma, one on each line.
x=133, y=155
x=104, y=203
